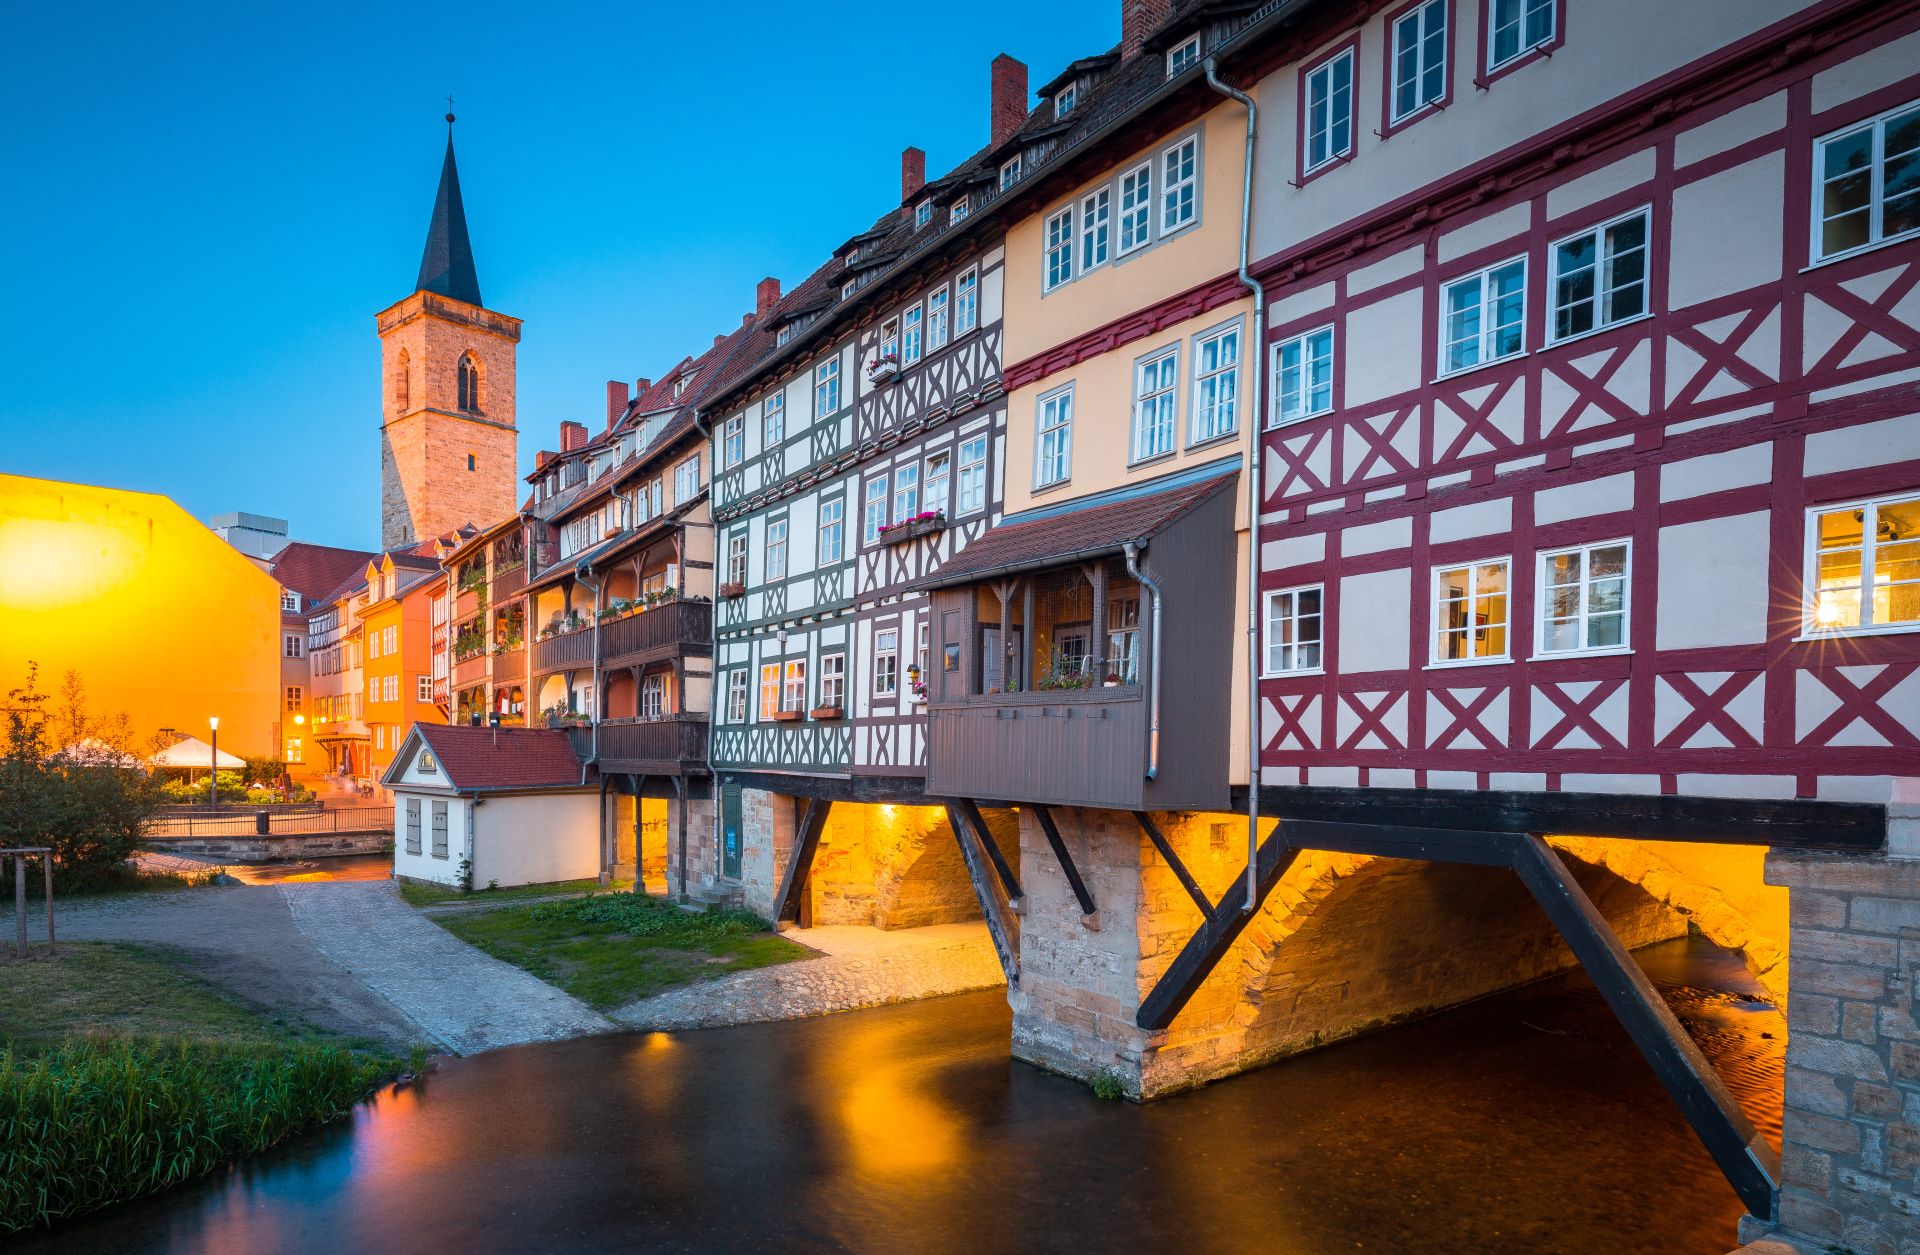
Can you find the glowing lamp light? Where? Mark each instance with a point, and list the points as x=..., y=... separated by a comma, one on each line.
x=1829, y=612
x=213, y=722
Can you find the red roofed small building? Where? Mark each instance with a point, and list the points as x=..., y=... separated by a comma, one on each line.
x=493, y=807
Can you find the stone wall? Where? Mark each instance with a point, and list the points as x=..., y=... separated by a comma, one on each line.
x=703, y=854
x=273, y=849
x=767, y=823
x=897, y=866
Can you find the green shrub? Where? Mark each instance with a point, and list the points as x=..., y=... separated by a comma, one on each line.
x=647, y=917
x=1108, y=1085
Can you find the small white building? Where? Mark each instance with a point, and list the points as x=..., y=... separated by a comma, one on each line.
x=480, y=807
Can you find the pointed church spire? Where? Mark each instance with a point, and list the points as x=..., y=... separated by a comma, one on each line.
x=446, y=266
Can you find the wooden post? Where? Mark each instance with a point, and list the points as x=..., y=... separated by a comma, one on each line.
x=1026, y=635
x=793, y=883
x=999, y=928
x=46, y=865
x=1096, y=573
x=1015, y=896
x=20, y=906
x=1072, y=873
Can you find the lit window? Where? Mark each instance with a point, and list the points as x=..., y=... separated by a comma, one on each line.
x=1053, y=438
x=773, y=421
x=1600, y=277
x=826, y=387
x=1867, y=184
x=1155, y=393
x=1183, y=55
x=1470, y=612
x=973, y=476
x=793, y=687
x=1294, y=629
x=1136, y=202
x=1484, y=316
x=1583, y=599
x=1216, y=385
x=910, y=336
x=934, y=494
x=769, y=689
x=1096, y=213
x=1517, y=26
x=966, y=302
x=736, y=696
x=886, y=662
x=1419, y=59
x=1302, y=377
x=833, y=530
x=1177, y=182
x=906, y=492
x=1065, y=99
x=777, y=549
x=1863, y=566
x=875, y=517
x=1059, y=249
x=733, y=441
x=1329, y=111
x=1010, y=172
x=937, y=323
x=833, y=680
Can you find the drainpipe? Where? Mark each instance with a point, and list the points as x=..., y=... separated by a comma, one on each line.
x=1152, y=585
x=598, y=586
x=1254, y=472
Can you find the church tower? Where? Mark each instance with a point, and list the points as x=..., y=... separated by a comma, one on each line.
x=448, y=444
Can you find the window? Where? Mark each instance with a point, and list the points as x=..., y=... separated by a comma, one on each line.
x=876, y=515
x=1329, y=111
x=1123, y=640
x=1183, y=54
x=1303, y=377
x=890, y=339
x=833, y=680
x=1155, y=397
x=472, y=462
x=737, y=557
x=736, y=696
x=293, y=646
x=910, y=337
x=413, y=825
x=886, y=662
x=1863, y=566
x=1177, y=183
x=469, y=382
x=1419, y=59
x=1294, y=629
x=733, y=441
x=1010, y=172
x=1065, y=99
x=938, y=467
x=290, y=600
x=1136, y=197
x=777, y=550
x=1053, y=439
x=966, y=302
x=686, y=480
x=1867, y=184
x=1485, y=316
x=973, y=476
x=833, y=530
x=769, y=689
x=906, y=492
x=922, y=214
x=1059, y=259
x=1583, y=599
x=784, y=334
x=653, y=695
x=773, y=421
x=826, y=387
x=1517, y=26
x=793, y=688
x=393, y=688
x=937, y=321
x=1216, y=386
x=1600, y=277
x=1470, y=612
x=379, y=736
x=959, y=211
x=1096, y=212
x=294, y=753
x=848, y=288
x=296, y=698
x=423, y=688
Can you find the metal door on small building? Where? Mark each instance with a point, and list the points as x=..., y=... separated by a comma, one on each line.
x=730, y=831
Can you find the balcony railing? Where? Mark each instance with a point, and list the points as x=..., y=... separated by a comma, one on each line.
x=510, y=667
x=665, y=746
x=509, y=580
x=660, y=631
x=1077, y=747
x=470, y=671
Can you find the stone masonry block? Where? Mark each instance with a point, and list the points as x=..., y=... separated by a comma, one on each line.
x=1805, y=1213
x=1842, y=980
x=1843, y=947
x=1814, y=1091
x=1809, y=1169
x=1841, y=1058
x=1818, y=910
x=1876, y=1102
x=1885, y=915
x=1826, y=1133
x=1859, y=1022
x=1904, y=1057
x=1813, y=1013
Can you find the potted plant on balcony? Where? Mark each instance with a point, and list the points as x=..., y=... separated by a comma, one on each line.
x=827, y=712
x=884, y=366
x=731, y=590
x=925, y=523
x=784, y=715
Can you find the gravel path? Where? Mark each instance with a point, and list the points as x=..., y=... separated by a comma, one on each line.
x=859, y=967
x=465, y=999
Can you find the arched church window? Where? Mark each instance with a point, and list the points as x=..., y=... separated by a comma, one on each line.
x=469, y=384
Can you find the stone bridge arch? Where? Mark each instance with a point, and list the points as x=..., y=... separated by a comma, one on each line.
x=897, y=866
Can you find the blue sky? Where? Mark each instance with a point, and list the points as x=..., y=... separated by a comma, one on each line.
x=203, y=207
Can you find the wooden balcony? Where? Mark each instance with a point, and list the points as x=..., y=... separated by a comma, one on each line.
x=469, y=671
x=1077, y=747
x=510, y=667
x=669, y=629
x=672, y=745
x=466, y=604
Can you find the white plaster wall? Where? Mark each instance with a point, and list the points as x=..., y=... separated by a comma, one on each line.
x=424, y=866
x=1726, y=252
x=536, y=839
x=1374, y=610
x=1713, y=582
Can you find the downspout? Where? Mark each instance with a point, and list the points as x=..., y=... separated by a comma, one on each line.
x=1254, y=473
x=473, y=827
x=598, y=586
x=1153, y=659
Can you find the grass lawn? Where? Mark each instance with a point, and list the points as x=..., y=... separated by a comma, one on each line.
x=609, y=949
x=415, y=894
x=121, y=1074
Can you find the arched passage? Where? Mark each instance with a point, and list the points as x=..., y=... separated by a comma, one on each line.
x=898, y=866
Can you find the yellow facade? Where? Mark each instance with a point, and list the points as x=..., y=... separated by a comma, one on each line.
x=397, y=661
x=162, y=619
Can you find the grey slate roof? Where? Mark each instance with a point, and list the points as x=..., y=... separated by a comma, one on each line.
x=446, y=266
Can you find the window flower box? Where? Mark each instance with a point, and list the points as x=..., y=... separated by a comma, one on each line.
x=883, y=368
x=788, y=716
x=925, y=523
x=731, y=591
x=827, y=712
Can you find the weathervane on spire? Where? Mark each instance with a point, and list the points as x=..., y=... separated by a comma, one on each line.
x=449, y=117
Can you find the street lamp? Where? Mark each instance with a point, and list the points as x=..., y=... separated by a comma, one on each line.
x=213, y=758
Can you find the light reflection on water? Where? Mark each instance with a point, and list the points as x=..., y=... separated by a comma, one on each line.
x=1525, y=1122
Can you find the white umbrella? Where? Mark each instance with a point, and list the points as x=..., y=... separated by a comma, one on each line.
x=97, y=753
x=193, y=752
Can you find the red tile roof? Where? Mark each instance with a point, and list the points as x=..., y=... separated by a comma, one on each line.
x=509, y=758
x=314, y=570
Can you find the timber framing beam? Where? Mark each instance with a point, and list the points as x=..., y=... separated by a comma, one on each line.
x=1072, y=873
x=999, y=924
x=897, y=790
x=1015, y=896
x=1223, y=926
x=1180, y=871
x=793, y=881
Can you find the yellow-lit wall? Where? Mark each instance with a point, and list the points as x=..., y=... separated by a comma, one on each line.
x=163, y=619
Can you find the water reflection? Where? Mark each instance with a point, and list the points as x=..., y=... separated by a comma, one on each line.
x=1525, y=1122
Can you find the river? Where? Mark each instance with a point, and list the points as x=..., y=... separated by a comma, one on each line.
x=1525, y=1123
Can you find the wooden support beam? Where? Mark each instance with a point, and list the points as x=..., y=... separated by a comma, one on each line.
x=1748, y=1162
x=1223, y=926
x=998, y=927
x=1072, y=873
x=793, y=881
x=638, y=784
x=1173, y=860
x=971, y=809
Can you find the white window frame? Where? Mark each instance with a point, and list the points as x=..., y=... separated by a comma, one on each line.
x=970, y=468
x=1876, y=208
x=1065, y=99
x=769, y=686
x=966, y=301
x=939, y=470
x=776, y=550
x=1810, y=627
x=1156, y=405
x=1096, y=228
x=1211, y=386
x=293, y=645
x=1485, y=338
x=1521, y=45
x=912, y=335
x=826, y=387
x=1056, y=266
x=832, y=525
x=737, y=681
x=1293, y=620
x=886, y=662
x=1435, y=629
x=1542, y=603
x=1276, y=414
x=652, y=703
x=686, y=480
x=733, y=441
x=290, y=600
x=961, y=208
x=773, y=421
x=423, y=689
x=922, y=214
x=1603, y=260
x=793, y=684
x=1179, y=185
x=737, y=557
x=874, y=510
x=1135, y=209
x=1423, y=31
x=938, y=322
x=833, y=679
x=1060, y=428
x=1009, y=172
x=906, y=491
x=1320, y=79
x=1183, y=55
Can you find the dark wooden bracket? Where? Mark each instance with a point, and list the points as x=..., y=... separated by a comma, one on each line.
x=999, y=927
x=1196, y=960
x=1173, y=860
x=1072, y=873
x=793, y=882
x=971, y=808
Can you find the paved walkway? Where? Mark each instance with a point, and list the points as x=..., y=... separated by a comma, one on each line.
x=465, y=999
x=858, y=967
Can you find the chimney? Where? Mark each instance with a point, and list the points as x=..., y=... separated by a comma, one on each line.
x=541, y=459
x=616, y=401
x=913, y=173
x=1138, y=19
x=572, y=436
x=765, y=296
x=641, y=385
x=1008, y=107
x=719, y=340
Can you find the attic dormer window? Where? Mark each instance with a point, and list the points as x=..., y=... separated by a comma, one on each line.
x=1065, y=99
x=960, y=210
x=922, y=214
x=1010, y=172
x=783, y=335
x=1183, y=55
x=846, y=289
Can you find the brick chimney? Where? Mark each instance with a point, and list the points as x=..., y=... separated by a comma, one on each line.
x=1008, y=106
x=543, y=457
x=641, y=384
x=616, y=400
x=572, y=436
x=913, y=173
x=1138, y=19
x=766, y=294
